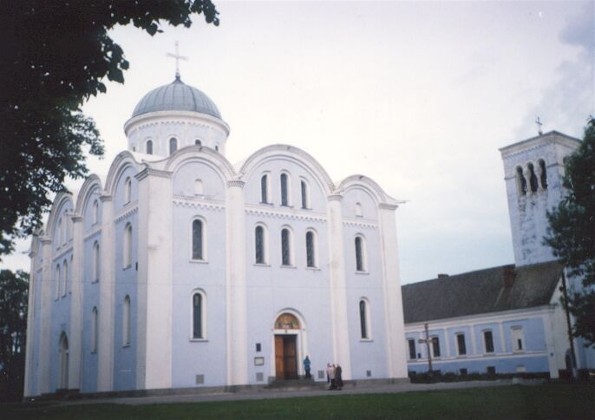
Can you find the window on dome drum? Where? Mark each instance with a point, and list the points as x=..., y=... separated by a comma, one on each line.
x=305, y=195
x=197, y=316
x=173, y=145
x=94, y=329
x=310, y=249
x=197, y=240
x=197, y=142
x=127, y=246
x=127, y=190
x=360, y=254
x=517, y=339
x=264, y=189
x=284, y=190
x=95, y=263
x=126, y=321
x=542, y=174
x=461, y=345
x=259, y=257
x=488, y=341
x=149, y=147
x=521, y=181
x=412, y=351
x=532, y=178
x=435, y=346
x=363, y=320
x=285, y=247
x=216, y=148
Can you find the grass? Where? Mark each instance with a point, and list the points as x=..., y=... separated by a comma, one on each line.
x=553, y=401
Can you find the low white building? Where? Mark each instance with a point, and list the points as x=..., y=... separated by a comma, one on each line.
x=180, y=270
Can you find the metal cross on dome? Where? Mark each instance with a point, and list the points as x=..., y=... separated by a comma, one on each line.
x=178, y=57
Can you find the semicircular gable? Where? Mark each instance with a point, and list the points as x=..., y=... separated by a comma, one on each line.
x=88, y=188
x=121, y=163
x=62, y=200
x=367, y=184
x=206, y=155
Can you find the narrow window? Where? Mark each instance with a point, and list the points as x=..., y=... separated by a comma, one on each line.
x=149, y=147
x=462, y=348
x=95, y=262
x=412, y=351
x=197, y=142
x=517, y=339
x=363, y=319
x=305, y=195
x=216, y=148
x=259, y=245
x=264, y=189
x=310, y=250
x=521, y=181
x=285, y=247
x=65, y=278
x=197, y=318
x=360, y=258
x=59, y=232
x=127, y=261
x=197, y=240
x=358, y=210
x=58, y=281
x=127, y=190
x=198, y=187
x=173, y=145
x=126, y=322
x=532, y=178
x=543, y=174
x=284, y=190
x=435, y=346
x=94, y=329
x=488, y=341
x=95, y=213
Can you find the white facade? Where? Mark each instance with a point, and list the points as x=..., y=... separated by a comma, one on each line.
x=180, y=270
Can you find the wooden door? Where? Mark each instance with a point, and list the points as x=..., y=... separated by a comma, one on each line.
x=279, y=357
x=286, y=357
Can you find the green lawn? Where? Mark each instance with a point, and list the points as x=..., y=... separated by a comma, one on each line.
x=555, y=401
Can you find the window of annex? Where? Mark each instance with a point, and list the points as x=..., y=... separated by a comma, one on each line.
x=149, y=147
x=311, y=249
x=260, y=245
x=412, y=349
x=286, y=248
x=173, y=145
x=127, y=247
x=518, y=339
x=488, y=341
x=435, y=347
x=364, y=319
x=198, y=243
x=285, y=191
x=126, y=322
x=265, y=189
x=361, y=263
x=461, y=345
x=198, y=315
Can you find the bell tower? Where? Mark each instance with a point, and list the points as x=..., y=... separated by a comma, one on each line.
x=533, y=172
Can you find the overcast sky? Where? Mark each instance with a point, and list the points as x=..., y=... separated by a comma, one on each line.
x=419, y=96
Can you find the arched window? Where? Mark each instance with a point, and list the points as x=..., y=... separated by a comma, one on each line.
x=360, y=254
x=286, y=247
x=94, y=329
x=310, y=249
x=305, y=194
x=216, y=148
x=543, y=174
x=127, y=246
x=127, y=190
x=521, y=181
x=264, y=189
x=198, y=187
x=197, y=142
x=532, y=178
x=173, y=145
x=363, y=320
x=60, y=232
x=198, y=315
x=149, y=147
x=96, y=262
x=284, y=190
x=126, y=321
x=95, y=214
x=198, y=242
x=58, y=281
x=65, y=278
x=259, y=245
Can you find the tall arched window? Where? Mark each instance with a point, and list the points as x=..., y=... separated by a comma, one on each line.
x=542, y=174
x=94, y=329
x=360, y=254
x=198, y=318
x=285, y=247
x=95, y=210
x=310, y=249
x=65, y=278
x=173, y=145
x=127, y=190
x=60, y=232
x=284, y=190
x=305, y=194
x=521, y=181
x=197, y=240
x=96, y=261
x=264, y=189
x=149, y=147
x=532, y=178
x=126, y=321
x=127, y=246
x=259, y=245
x=363, y=320
x=58, y=281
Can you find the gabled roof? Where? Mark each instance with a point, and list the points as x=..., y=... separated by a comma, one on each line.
x=479, y=292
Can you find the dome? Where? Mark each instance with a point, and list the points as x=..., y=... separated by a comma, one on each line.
x=177, y=96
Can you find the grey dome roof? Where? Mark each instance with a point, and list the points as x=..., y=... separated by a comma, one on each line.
x=177, y=96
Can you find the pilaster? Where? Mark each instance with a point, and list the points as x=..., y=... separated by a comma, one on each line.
x=76, y=301
x=47, y=301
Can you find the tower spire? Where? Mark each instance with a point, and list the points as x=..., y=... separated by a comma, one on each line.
x=178, y=57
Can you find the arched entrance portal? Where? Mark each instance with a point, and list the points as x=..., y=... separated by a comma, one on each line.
x=287, y=328
x=63, y=362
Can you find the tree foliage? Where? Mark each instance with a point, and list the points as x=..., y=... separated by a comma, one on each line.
x=13, y=326
x=572, y=233
x=55, y=55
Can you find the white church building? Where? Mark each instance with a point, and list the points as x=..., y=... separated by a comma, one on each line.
x=181, y=270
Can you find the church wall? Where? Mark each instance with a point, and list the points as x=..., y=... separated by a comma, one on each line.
x=35, y=327
x=90, y=301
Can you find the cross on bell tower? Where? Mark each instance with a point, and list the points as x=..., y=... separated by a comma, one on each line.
x=539, y=124
x=178, y=57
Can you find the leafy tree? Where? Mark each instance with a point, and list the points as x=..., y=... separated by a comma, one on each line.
x=13, y=326
x=572, y=233
x=55, y=55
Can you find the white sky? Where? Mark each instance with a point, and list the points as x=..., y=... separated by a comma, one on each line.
x=418, y=96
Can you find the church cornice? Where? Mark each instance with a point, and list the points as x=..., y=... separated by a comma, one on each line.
x=196, y=204
x=152, y=172
x=360, y=224
x=92, y=233
x=126, y=213
x=269, y=214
